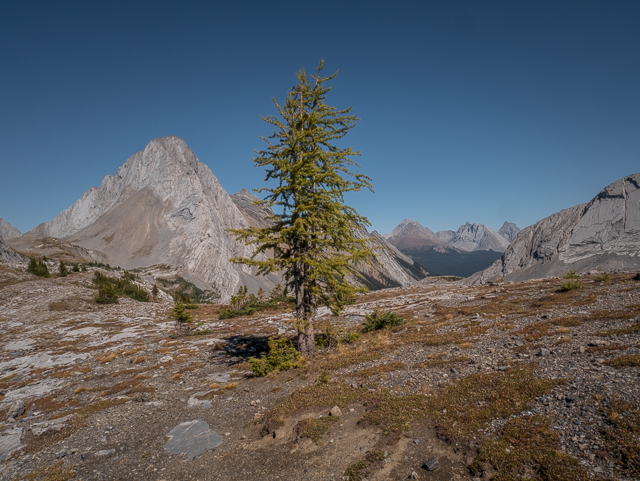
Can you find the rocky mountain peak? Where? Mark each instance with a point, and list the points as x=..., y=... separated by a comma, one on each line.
x=473, y=237
x=7, y=230
x=509, y=231
x=601, y=235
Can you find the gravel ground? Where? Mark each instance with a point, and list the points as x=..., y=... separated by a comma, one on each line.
x=102, y=386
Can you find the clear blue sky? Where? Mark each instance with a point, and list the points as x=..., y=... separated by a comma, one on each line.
x=479, y=111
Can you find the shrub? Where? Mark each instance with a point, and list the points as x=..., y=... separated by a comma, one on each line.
x=380, y=320
x=106, y=295
x=75, y=268
x=62, y=270
x=182, y=316
x=570, y=275
x=38, y=267
x=120, y=287
x=282, y=356
x=571, y=285
x=602, y=278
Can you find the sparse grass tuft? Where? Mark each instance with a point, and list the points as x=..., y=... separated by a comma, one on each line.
x=621, y=436
x=55, y=472
x=379, y=369
x=622, y=361
x=632, y=329
x=315, y=428
x=358, y=470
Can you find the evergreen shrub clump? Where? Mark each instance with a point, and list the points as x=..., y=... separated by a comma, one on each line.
x=109, y=288
x=380, y=320
x=38, y=267
x=571, y=285
x=282, y=356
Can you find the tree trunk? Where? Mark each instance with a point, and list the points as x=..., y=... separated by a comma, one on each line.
x=306, y=340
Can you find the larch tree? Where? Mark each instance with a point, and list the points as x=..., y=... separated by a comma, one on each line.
x=311, y=237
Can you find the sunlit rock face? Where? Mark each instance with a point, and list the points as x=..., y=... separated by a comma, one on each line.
x=163, y=206
x=7, y=230
x=601, y=235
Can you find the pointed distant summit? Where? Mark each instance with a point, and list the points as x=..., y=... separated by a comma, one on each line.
x=509, y=231
x=7, y=230
x=473, y=237
x=410, y=235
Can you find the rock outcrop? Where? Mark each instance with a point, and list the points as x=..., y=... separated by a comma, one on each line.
x=601, y=235
x=255, y=215
x=475, y=237
x=7, y=230
x=8, y=255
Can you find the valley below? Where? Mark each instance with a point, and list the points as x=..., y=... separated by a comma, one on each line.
x=504, y=379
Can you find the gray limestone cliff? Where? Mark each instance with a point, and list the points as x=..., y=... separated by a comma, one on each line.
x=601, y=235
x=7, y=230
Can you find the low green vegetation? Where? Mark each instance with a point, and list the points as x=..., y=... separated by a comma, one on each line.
x=602, y=278
x=38, y=267
x=570, y=275
x=315, y=428
x=622, y=441
x=358, y=470
x=62, y=270
x=527, y=445
x=110, y=288
x=282, y=356
x=183, y=318
x=380, y=320
x=623, y=361
x=460, y=410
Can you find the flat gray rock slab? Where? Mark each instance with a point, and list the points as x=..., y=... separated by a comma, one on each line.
x=10, y=441
x=192, y=438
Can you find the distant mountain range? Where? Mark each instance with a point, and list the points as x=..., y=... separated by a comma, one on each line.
x=471, y=248
x=163, y=207
x=602, y=235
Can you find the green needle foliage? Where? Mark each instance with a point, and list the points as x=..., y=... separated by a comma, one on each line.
x=38, y=267
x=62, y=270
x=311, y=239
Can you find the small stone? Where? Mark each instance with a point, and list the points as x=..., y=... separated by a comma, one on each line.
x=413, y=475
x=583, y=349
x=107, y=453
x=416, y=441
x=583, y=447
x=637, y=277
x=61, y=454
x=17, y=409
x=543, y=352
x=431, y=464
x=335, y=411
